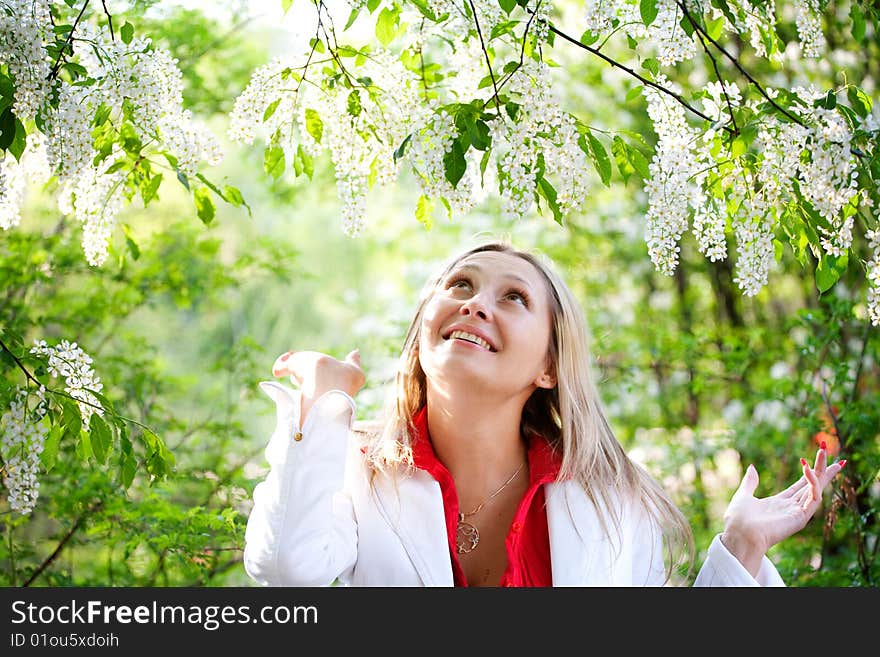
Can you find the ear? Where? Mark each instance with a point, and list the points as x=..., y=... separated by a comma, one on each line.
x=547, y=378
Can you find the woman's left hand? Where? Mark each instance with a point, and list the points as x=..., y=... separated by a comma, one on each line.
x=753, y=525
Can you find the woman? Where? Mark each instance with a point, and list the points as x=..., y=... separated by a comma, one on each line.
x=495, y=464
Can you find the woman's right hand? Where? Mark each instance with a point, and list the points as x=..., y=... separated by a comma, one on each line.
x=316, y=373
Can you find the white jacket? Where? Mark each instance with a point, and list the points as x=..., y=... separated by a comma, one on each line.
x=316, y=520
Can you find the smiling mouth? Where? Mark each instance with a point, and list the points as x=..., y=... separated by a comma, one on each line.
x=470, y=337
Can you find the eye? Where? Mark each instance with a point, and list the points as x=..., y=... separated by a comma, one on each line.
x=458, y=282
x=519, y=295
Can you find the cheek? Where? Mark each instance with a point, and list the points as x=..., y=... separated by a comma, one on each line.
x=433, y=316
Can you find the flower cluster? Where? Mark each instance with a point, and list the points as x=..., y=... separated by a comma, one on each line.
x=540, y=136
x=425, y=154
x=361, y=123
x=123, y=80
x=25, y=26
x=678, y=169
x=70, y=362
x=23, y=437
x=809, y=28
x=874, y=276
x=15, y=175
x=664, y=37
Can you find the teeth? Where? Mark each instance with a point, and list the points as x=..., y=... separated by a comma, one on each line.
x=470, y=337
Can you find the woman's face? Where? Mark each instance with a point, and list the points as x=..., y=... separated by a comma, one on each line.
x=487, y=327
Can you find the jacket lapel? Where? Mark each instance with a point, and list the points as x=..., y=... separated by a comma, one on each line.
x=578, y=550
x=414, y=511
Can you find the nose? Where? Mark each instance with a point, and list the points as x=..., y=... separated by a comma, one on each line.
x=476, y=306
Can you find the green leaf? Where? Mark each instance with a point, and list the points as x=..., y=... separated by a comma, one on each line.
x=372, y=4
x=352, y=17
x=273, y=161
x=157, y=458
x=599, y=156
x=50, y=447
x=149, y=188
x=507, y=5
x=386, y=25
x=127, y=460
x=398, y=153
x=860, y=102
x=652, y=65
x=424, y=210
x=270, y=109
x=478, y=133
x=505, y=27
x=314, y=125
x=648, y=11
x=285, y=5
x=714, y=28
x=233, y=196
x=7, y=128
x=101, y=115
x=589, y=37
x=71, y=417
x=829, y=270
x=129, y=240
x=858, y=22
x=634, y=93
x=303, y=162
x=204, y=204
x=547, y=190
x=354, y=103
x=126, y=32
x=99, y=435
x=621, y=158
x=19, y=141
x=454, y=163
x=129, y=139
x=84, y=446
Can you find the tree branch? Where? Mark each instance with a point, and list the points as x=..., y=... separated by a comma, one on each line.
x=67, y=42
x=62, y=544
x=486, y=53
x=631, y=72
x=736, y=63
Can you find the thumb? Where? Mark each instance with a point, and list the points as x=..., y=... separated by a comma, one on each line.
x=354, y=357
x=749, y=482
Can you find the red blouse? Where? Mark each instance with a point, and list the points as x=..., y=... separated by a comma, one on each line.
x=528, y=540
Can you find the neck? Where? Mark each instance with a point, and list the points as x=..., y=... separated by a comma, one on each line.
x=479, y=442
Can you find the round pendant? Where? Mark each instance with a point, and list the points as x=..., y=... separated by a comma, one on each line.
x=466, y=537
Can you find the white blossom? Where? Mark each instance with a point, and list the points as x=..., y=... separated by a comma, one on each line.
x=873, y=275
x=25, y=27
x=23, y=438
x=15, y=176
x=67, y=360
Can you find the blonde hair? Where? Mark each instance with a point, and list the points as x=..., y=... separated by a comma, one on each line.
x=569, y=416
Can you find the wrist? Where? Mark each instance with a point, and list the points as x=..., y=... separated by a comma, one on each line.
x=749, y=552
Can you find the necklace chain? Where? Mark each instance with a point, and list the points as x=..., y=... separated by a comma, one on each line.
x=503, y=486
x=467, y=536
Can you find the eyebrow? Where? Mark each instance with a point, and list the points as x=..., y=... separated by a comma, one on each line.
x=480, y=269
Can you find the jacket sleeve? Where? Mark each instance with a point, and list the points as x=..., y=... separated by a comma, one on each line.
x=721, y=568
x=302, y=529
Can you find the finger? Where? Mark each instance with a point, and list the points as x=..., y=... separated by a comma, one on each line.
x=749, y=482
x=821, y=459
x=803, y=498
x=831, y=472
x=280, y=367
x=354, y=357
x=795, y=488
x=815, y=486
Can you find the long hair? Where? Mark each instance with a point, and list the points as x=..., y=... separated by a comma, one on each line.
x=569, y=416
